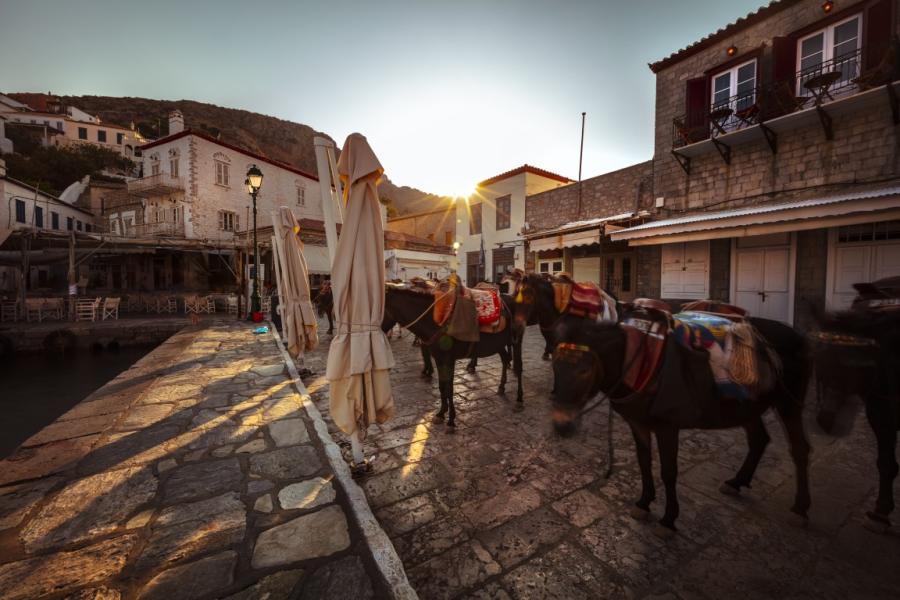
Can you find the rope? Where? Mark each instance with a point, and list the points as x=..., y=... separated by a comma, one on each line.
x=425, y=312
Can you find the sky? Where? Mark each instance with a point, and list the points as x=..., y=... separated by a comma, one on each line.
x=448, y=93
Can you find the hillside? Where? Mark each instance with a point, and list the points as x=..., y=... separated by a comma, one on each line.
x=275, y=138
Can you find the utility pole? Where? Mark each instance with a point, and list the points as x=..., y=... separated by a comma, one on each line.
x=580, y=158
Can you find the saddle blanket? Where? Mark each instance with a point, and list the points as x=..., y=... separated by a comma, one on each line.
x=487, y=305
x=731, y=348
x=585, y=300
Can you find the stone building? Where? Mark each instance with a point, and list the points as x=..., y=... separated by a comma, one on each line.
x=438, y=225
x=568, y=228
x=490, y=223
x=776, y=167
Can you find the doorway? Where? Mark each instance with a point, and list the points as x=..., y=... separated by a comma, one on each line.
x=618, y=276
x=763, y=276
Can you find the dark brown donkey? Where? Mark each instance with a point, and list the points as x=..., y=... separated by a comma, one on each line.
x=413, y=311
x=860, y=354
x=590, y=359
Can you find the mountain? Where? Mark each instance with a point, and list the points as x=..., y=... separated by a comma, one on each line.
x=275, y=138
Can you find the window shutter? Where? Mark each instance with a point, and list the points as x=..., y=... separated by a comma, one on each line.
x=877, y=36
x=696, y=107
x=784, y=52
x=221, y=216
x=236, y=222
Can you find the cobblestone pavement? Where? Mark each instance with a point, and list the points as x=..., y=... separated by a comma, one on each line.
x=505, y=509
x=195, y=474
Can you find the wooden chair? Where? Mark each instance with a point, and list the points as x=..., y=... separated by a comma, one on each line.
x=86, y=309
x=111, y=308
x=231, y=305
x=685, y=134
x=52, y=308
x=9, y=311
x=192, y=305
x=134, y=303
x=781, y=100
x=208, y=305
x=266, y=305
x=33, y=309
x=168, y=304
x=885, y=72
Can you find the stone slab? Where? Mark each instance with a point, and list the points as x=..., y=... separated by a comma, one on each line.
x=34, y=463
x=202, y=479
x=343, y=578
x=193, y=580
x=288, y=432
x=61, y=572
x=64, y=430
x=306, y=494
x=314, y=535
x=286, y=463
x=89, y=507
x=278, y=586
x=17, y=500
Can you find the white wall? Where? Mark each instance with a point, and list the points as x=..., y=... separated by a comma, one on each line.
x=12, y=191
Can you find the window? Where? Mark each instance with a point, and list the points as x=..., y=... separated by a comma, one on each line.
x=101, y=135
x=448, y=238
x=870, y=232
x=834, y=48
x=120, y=138
x=54, y=220
x=59, y=125
x=87, y=227
x=38, y=216
x=79, y=225
x=20, y=211
x=301, y=195
x=154, y=167
x=503, y=207
x=228, y=221
x=221, y=173
x=69, y=223
x=735, y=88
x=552, y=266
x=47, y=123
x=475, y=219
x=82, y=133
x=173, y=167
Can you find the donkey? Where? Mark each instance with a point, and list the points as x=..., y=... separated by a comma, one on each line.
x=864, y=359
x=412, y=310
x=325, y=305
x=590, y=359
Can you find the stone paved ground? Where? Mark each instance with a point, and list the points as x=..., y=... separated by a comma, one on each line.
x=504, y=509
x=195, y=474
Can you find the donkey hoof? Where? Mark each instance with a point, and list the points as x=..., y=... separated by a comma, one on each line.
x=798, y=520
x=639, y=514
x=545, y=356
x=663, y=532
x=501, y=391
x=876, y=523
x=518, y=407
x=437, y=419
x=450, y=428
x=470, y=369
x=729, y=490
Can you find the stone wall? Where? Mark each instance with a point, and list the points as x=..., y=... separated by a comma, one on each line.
x=438, y=226
x=865, y=145
x=649, y=269
x=812, y=253
x=622, y=191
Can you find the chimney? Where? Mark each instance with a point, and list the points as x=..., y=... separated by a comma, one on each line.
x=176, y=122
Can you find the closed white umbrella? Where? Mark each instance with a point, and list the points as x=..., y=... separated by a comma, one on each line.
x=360, y=357
x=297, y=314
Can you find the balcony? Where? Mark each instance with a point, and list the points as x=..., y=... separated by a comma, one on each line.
x=161, y=184
x=812, y=95
x=128, y=229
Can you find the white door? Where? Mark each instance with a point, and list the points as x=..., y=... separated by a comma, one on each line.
x=586, y=269
x=685, y=272
x=861, y=263
x=762, y=282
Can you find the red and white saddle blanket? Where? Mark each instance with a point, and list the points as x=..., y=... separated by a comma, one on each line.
x=487, y=305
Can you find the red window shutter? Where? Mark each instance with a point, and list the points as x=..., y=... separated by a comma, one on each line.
x=877, y=36
x=784, y=59
x=696, y=106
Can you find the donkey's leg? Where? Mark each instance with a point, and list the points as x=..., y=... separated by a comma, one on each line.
x=517, y=368
x=427, y=368
x=667, y=441
x=883, y=418
x=641, y=433
x=473, y=362
x=330, y=322
x=504, y=362
x=757, y=440
x=445, y=372
x=451, y=420
x=792, y=417
x=548, y=344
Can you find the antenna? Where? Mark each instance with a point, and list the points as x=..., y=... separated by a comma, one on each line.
x=580, y=157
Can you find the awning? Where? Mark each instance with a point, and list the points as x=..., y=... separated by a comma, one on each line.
x=575, y=233
x=813, y=213
x=317, y=259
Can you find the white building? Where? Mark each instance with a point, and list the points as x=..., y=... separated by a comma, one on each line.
x=489, y=223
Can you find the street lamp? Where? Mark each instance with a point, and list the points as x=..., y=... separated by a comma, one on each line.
x=253, y=183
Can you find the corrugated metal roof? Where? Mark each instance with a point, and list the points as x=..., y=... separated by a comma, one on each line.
x=572, y=225
x=764, y=209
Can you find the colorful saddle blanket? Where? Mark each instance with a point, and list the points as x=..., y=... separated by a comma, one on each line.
x=731, y=346
x=584, y=300
x=487, y=304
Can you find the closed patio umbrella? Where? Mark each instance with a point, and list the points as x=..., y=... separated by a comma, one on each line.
x=298, y=316
x=360, y=357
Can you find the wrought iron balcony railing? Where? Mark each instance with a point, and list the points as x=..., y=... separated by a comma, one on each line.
x=159, y=184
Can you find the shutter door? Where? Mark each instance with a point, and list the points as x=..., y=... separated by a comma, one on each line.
x=696, y=105
x=784, y=67
x=672, y=259
x=877, y=36
x=696, y=257
x=586, y=269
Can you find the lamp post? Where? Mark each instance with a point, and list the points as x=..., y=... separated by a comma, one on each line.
x=253, y=183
